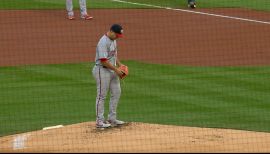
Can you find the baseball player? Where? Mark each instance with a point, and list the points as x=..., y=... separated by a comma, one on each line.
x=83, y=10
x=192, y=4
x=106, y=73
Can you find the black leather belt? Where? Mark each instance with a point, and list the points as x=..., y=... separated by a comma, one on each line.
x=102, y=66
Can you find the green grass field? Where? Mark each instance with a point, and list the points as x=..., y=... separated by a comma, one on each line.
x=33, y=97
x=60, y=4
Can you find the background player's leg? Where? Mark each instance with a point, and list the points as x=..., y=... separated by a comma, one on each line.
x=191, y=1
x=69, y=7
x=83, y=8
x=102, y=77
x=84, y=14
x=115, y=90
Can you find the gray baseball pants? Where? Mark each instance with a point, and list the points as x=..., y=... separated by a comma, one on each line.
x=106, y=80
x=69, y=7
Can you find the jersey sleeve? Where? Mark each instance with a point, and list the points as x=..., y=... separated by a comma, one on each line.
x=102, y=51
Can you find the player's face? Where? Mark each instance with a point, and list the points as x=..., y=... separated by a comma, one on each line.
x=114, y=36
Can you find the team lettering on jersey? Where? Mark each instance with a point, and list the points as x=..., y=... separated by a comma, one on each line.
x=112, y=53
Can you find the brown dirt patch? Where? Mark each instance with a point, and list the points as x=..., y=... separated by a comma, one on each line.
x=158, y=36
x=139, y=137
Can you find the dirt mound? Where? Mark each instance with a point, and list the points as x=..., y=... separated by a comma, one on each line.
x=136, y=137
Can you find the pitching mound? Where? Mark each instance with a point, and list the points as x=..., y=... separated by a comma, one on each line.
x=136, y=137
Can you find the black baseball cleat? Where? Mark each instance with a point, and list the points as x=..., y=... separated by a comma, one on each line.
x=192, y=5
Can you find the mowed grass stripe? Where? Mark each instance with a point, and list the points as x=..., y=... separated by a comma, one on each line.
x=184, y=92
x=38, y=96
x=263, y=5
x=33, y=97
x=60, y=4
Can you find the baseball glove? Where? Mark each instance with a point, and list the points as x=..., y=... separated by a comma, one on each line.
x=124, y=70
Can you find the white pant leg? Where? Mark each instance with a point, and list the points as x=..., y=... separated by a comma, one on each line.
x=115, y=89
x=103, y=78
x=83, y=8
x=69, y=7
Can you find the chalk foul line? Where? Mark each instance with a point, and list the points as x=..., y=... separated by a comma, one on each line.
x=196, y=12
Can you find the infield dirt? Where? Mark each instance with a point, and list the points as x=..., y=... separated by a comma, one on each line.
x=151, y=35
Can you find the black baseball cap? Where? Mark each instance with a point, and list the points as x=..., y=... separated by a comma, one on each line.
x=117, y=29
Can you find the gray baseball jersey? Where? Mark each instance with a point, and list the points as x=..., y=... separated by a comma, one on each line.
x=106, y=79
x=107, y=49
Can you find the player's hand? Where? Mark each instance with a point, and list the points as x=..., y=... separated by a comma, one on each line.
x=119, y=72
